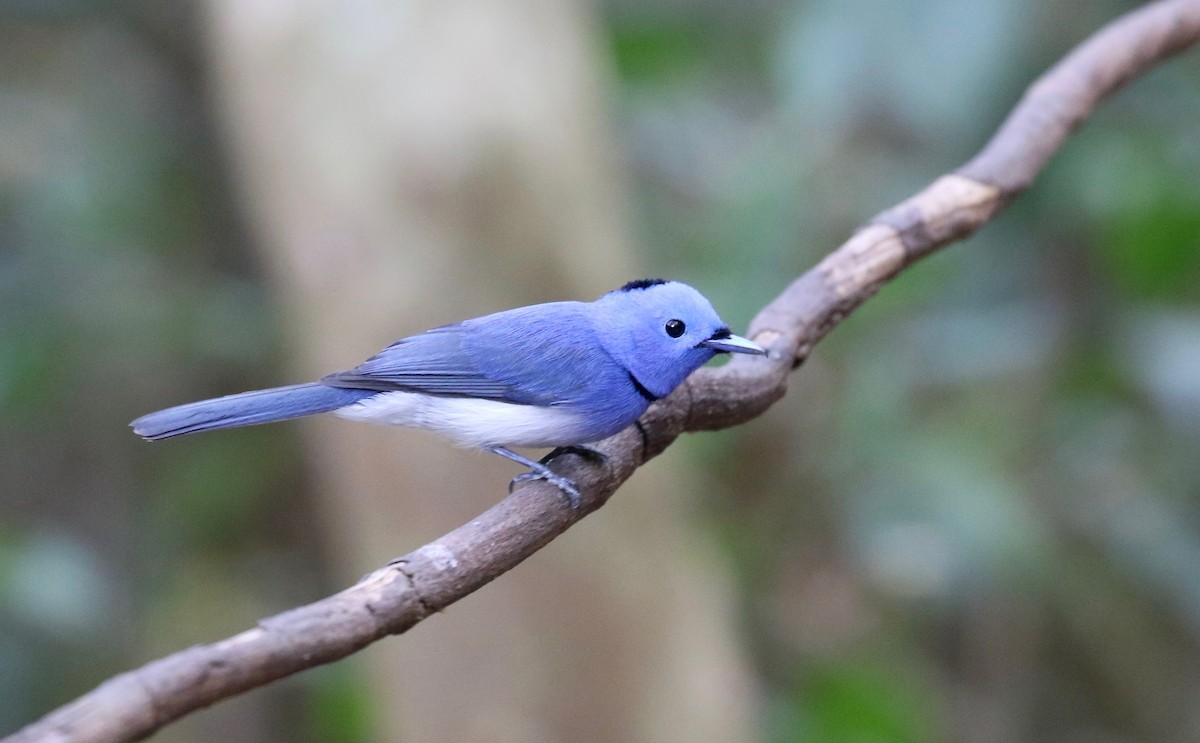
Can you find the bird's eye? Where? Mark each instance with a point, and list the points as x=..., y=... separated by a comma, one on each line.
x=675, y=328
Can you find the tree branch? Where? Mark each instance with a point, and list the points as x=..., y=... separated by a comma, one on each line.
x=396, y=597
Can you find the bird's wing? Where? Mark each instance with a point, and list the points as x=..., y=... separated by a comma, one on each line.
x=536, y=355
x=434, y=362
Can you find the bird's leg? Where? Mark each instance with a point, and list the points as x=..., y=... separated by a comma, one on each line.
x=582, y=451
x=539, y=471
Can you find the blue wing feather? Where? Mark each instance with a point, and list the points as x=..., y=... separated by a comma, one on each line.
x=433, y=362
x=530, y=356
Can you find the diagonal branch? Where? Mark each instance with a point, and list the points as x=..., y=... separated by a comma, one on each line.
x=396, y=597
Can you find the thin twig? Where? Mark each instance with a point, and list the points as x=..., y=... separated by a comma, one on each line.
x=396, y=597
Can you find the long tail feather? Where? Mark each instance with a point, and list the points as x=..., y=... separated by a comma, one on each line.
x=246, y=409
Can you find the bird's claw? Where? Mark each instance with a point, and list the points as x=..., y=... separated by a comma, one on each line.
x=566, y=485
x=539, y=470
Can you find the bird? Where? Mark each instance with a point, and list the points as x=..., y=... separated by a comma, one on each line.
x=559, y=374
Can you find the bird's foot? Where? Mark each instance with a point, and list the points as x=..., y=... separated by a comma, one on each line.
x=541, y=472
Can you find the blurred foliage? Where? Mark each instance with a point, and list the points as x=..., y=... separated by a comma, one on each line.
x=976, y=516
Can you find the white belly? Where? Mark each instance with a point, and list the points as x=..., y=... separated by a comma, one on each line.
x=470, y=422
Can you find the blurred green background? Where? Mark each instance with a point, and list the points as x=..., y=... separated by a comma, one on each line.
x=976, y=515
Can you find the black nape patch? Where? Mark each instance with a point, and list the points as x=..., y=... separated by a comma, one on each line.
x=641, y=284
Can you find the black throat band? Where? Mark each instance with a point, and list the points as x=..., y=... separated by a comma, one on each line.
x=641, y=388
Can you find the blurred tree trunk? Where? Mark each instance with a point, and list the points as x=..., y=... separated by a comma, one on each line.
x=407, y=165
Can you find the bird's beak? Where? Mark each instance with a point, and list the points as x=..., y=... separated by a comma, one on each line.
x=725, y=342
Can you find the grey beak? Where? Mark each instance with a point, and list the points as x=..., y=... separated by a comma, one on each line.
x=726, y=343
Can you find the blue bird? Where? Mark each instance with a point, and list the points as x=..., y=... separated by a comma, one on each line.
x=561, y=375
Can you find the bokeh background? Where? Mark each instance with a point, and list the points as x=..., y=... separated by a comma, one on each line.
x=975, y=517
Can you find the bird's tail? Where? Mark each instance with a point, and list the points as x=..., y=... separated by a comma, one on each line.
x=246, y=409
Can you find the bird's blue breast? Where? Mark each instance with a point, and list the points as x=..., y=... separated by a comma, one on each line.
x=549, y=355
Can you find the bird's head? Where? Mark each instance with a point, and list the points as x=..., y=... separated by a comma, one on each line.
x=662, y=331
